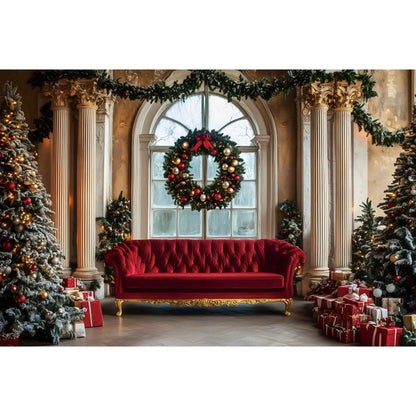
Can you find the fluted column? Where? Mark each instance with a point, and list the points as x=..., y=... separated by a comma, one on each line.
x=317, y=98
x=60, y=166
x=344, y=97
x=87, y=98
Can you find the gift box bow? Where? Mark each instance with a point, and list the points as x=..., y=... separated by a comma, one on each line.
x=384, y=322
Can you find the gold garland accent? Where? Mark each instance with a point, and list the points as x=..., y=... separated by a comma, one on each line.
x=202, y=302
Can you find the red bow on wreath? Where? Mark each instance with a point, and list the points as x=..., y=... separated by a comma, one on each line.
x=202, y=139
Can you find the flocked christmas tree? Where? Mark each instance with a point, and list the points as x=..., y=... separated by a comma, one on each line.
x=32, y=300
x=116, y=226
x=391, y=264
x=291, y=225
x=362, y=240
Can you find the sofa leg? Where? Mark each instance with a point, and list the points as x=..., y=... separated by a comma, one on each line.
x=119, y=306
x=287, y=302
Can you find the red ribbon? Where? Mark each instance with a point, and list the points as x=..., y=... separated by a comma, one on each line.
x=202, y=139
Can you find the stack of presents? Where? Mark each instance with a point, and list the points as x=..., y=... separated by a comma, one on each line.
x=348, y=313
x=83, y=299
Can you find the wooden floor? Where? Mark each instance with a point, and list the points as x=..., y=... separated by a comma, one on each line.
x=243, y=325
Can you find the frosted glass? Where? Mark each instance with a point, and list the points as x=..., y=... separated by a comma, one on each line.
x=212, y=167
x=246, y=196
x=190, y=223
x=167, y=132
x=219, y=223
x=164, y=223
x=249, y=165
x=221, y=112
x=188, y=112
x=240, y=132
x=160, y=197
x=244, y=223
x=195, y=167
x=157, y=165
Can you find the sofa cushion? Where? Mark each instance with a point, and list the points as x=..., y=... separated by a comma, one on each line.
x=206, y=281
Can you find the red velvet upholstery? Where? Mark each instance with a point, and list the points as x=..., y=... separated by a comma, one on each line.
x=186, y=269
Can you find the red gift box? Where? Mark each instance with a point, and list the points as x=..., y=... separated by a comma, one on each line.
x=344, y=335
x=69, y=282
x=344, y=308
x=379, y=335
x=10, y=341
x=93, y=315
x=87, y=294
x=324, y=302
x=359, y=304
x=316, y=312
x=348, y=289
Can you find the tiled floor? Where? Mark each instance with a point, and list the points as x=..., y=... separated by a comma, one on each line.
x=243, y=325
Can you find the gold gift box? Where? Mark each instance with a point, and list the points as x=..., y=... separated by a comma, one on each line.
x=409, y=322
x=338, y=275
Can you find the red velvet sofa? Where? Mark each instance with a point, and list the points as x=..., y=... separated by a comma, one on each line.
x=204, y=272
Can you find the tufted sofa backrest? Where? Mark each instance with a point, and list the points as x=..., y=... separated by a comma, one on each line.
x=204, y=256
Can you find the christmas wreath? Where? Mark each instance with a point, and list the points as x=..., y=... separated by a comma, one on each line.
x=180, y=183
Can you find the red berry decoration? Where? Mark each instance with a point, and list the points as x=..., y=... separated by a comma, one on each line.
x=214, y=152
x=27, y=200
x=396, y=278
x=391, y=204
x=184, y=199
x=11, y=186
x=231, y=157
x=1, y=278
x=181, y=166
x=184, y=156
x=197, y=191
x=217, y=197
x=7, y=245
x=21, y=298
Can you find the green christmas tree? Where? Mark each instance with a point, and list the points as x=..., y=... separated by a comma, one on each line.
x=32, y=300
x=391, y=264
x=116, y=226
x=362, y=240
x=291, y=226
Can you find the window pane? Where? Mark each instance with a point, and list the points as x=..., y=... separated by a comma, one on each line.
x=219, y=223
x=195, y=167
x=240, y=132
x=221, y=112
x=167, y=132
x=190, y=223
x=188, y=112
x=246, y=196
x=164, y=223
x=244, y=223
x=157, y=165
x=249, y=165
x=212, y=167
x=160, y=197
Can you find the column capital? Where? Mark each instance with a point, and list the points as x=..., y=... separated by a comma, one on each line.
x=86, y=93
x=318, y=94
x=346, y=94
x=59, y=92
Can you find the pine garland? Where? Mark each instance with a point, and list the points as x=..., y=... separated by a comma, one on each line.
x=219, y=81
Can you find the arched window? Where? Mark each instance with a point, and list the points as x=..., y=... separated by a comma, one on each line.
x=251, y=214
x=239, y=219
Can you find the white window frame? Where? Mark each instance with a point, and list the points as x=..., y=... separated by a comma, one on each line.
x=265, y=138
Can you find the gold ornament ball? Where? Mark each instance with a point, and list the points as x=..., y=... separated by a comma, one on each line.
x=203, y=197
x=176, y=161
x=234, y=163
x=183, y=183
x=16, y=221
x=225, y=184
x=394, y=258
x=43, y=294
x=227, y=151
x=230, y=190
x=175, y=171
x=224, y=166
x=231, y=169
x=185, y=145
x=185, y=175
x=192, y=193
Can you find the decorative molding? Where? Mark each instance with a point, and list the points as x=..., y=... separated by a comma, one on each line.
x=59, y=93
x=203, y=302
x=318, y=94
x=345, y=95
x=86, y=92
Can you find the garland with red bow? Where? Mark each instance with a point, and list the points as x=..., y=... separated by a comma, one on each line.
x=180, y=183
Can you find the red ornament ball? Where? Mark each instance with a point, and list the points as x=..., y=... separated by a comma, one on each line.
x=7, y=245
x=171, y=176
x=217, y=197
x=231, y=157
x=409, y=220
x=27, y=200
x=181, y=166
x=35, y=154
x=13, y=288
x=390, y=215
x=184, y=156
x=11, y=186
x=197, y=191
x=396, y=278
x=214, y=152
x=391, y=204
x=21, y=298
x=12, y=137
x=184, y=199
x=208, y=198
x=236, y=178
x=33, y=267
